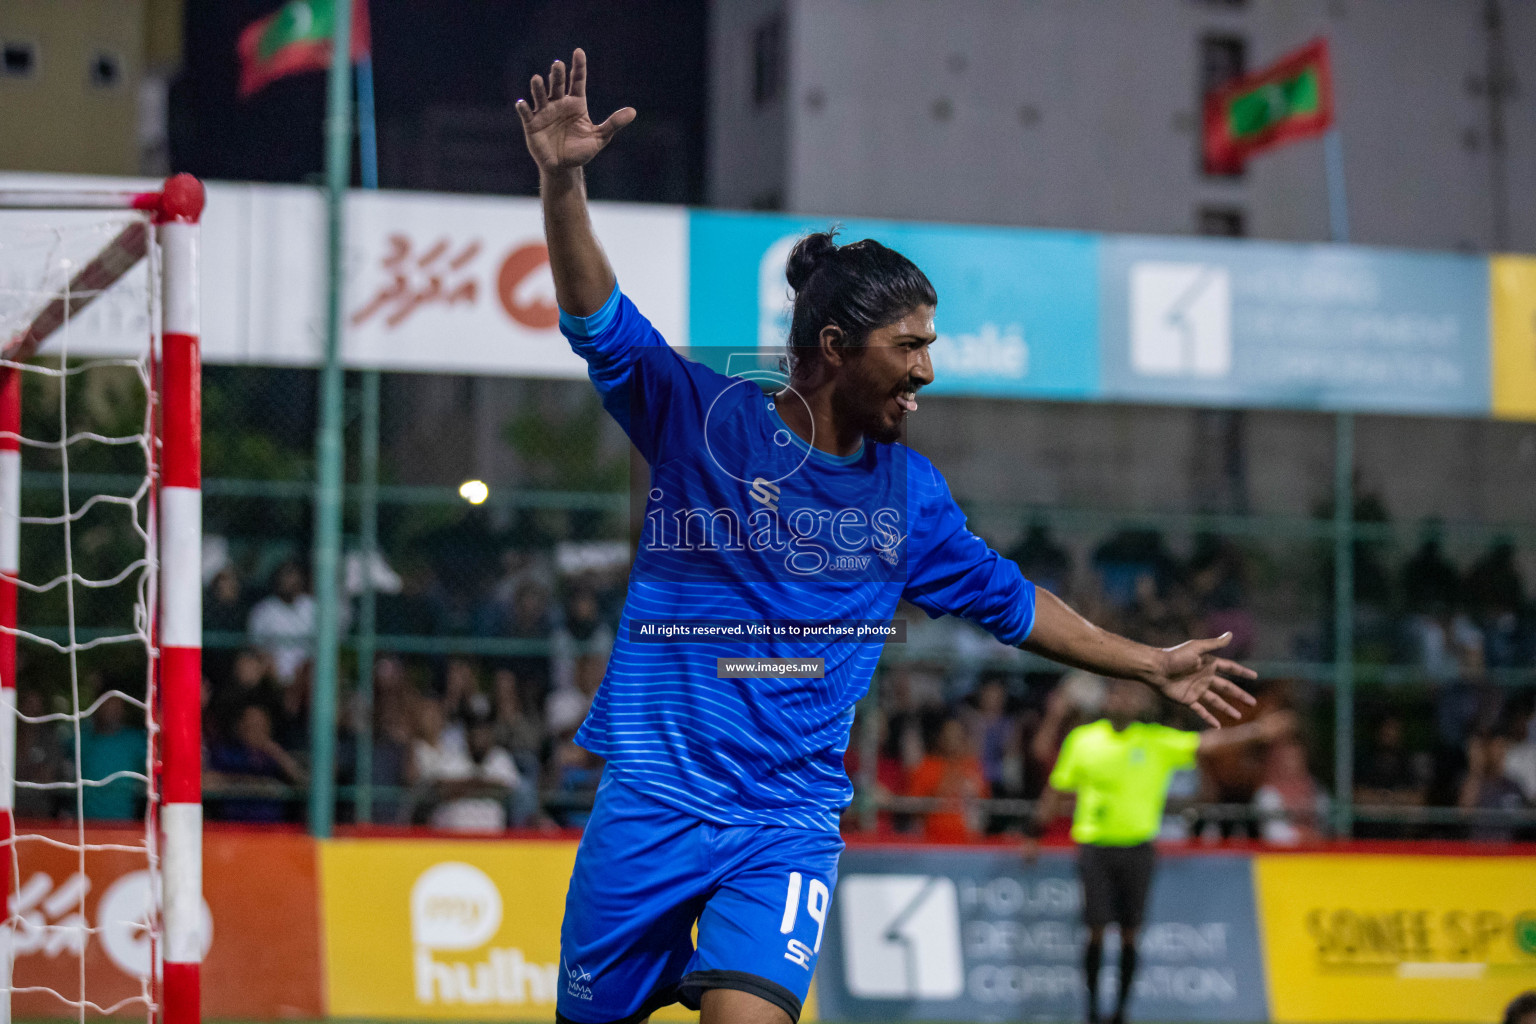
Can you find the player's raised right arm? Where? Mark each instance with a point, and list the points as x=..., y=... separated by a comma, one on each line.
x=562, y=139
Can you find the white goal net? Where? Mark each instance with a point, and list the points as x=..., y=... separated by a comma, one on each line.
x=84, y=433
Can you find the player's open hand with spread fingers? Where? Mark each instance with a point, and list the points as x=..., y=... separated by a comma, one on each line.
x=560, y=132
x=1193, y=675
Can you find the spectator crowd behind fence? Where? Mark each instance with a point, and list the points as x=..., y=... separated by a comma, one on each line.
x=466, y=741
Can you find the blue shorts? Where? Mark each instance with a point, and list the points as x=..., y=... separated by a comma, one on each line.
x=646, y=872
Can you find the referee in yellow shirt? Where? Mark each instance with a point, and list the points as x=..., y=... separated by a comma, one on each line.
x=1119, y=768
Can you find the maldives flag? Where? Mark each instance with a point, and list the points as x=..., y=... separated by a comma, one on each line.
x=293, y=39
x=1292, y=99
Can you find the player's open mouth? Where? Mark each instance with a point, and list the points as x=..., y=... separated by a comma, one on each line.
x=907, y=399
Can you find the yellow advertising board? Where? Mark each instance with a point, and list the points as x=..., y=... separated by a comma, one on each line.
x=1513, y=319
x=1396, y=938
x=443, y=929
x=447, y=929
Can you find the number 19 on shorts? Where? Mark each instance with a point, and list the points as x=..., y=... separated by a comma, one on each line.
x=816, y=899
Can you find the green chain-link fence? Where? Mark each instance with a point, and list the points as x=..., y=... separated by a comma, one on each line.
x=512, y=600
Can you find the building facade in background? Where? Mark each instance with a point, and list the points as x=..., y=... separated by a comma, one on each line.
x=84, y=84
x=1056, y=113
x=1087, y=116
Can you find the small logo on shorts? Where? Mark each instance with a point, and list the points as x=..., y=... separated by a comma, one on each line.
x=800, y=953
x=578, y=982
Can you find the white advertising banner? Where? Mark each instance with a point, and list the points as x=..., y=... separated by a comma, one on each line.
x=463, y=283
x=433, y=283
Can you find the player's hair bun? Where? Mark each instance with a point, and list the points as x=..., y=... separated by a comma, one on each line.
x=808, y=254
x=855, y=288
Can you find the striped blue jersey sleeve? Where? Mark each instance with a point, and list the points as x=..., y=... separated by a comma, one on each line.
x=657, y=396
x=951, y=571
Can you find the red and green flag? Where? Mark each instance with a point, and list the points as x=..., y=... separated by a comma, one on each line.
x=1292, y=99
x=293, y=39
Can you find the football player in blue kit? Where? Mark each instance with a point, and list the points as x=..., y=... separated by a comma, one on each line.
x=720, y=801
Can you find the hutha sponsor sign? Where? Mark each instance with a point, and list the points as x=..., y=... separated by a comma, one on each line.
x=455, y=914
x=421, y=929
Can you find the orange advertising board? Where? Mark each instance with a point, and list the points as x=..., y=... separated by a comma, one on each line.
x=82, y=917
x=266, y=958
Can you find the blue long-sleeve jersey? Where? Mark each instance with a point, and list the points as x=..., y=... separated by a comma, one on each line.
x=746, y=523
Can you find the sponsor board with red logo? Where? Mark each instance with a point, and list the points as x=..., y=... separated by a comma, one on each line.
x=432, y=283
x=463, y=283
x=81, y=919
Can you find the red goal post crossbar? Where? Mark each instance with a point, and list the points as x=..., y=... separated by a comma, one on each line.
x=174, y=213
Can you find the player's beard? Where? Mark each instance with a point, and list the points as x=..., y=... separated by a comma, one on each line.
x=866, y=409
x=867, y=403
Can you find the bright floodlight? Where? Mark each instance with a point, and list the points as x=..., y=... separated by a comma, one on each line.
x=474, y=491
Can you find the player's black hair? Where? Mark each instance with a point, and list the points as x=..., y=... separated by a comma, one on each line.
x=1521, y=1009
x=857, y=287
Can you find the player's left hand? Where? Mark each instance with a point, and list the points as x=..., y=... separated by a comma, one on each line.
x=1193, y=675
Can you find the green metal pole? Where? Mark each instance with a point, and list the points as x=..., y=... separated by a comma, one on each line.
x=368, y=515
x=368, y=489
x=1344, y=622
x=328, y=442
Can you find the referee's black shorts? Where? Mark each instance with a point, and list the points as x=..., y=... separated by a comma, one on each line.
x=1115, y=883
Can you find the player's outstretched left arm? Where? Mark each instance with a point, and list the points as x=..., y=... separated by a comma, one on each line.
x=1191, y=674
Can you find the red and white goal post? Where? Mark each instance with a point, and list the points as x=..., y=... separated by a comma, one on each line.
x=152, y=236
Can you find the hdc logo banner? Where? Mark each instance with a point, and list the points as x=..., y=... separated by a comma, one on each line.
x=973, y=935
x=1017, y=315
x=1244, y=323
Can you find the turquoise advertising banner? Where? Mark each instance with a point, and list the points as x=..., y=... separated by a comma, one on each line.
x=1183, y=321
x=1246, y=323
x=1017, y=316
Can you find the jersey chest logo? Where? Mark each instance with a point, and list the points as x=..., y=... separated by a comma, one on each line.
x=888, y=547
x=765, y=493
